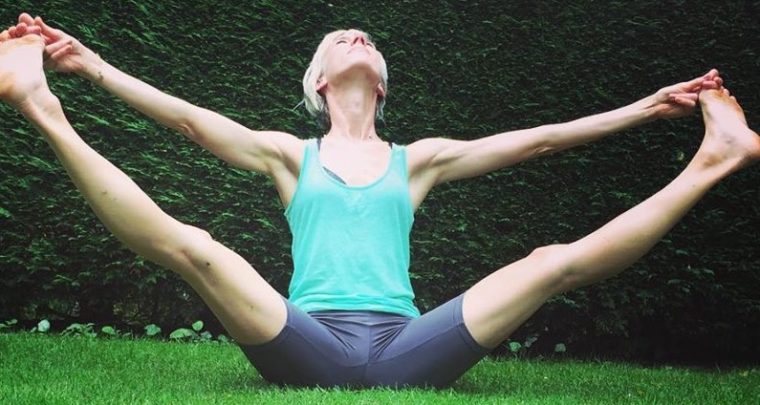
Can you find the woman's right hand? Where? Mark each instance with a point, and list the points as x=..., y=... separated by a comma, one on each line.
x=64, y=53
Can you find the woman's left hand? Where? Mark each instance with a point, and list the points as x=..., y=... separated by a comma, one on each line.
x=681, y=99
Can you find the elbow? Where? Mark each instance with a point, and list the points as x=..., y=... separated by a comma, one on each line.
x=186, y=129
x=544, y=150
x=187, y=126
x=544, y=144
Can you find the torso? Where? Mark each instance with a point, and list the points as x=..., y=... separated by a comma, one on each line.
x=357, y=163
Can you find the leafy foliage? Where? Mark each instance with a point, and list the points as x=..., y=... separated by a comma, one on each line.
x=195, y=333
x=459, y=69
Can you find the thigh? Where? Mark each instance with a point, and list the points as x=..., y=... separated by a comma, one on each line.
x=495, y=306
x=432, y=350
x=250, y=309
x=308, y=353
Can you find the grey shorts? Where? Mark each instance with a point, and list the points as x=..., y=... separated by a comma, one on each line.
x=368, y=349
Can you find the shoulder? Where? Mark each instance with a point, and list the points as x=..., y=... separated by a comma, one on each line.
x=421, y=156
x=424, y=147
x=427, y=151
x=281, y=150
x=285, y=144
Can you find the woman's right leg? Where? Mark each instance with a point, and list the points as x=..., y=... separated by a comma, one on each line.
x=248, y=307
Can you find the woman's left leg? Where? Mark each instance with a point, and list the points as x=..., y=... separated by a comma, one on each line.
x=494, y=307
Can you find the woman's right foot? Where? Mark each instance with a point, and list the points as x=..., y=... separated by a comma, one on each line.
x=728, y=140
x=22, y=79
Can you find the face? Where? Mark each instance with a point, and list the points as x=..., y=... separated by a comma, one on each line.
x=351, y=53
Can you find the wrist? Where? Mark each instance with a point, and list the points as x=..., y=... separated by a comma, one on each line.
x=646, y=109
x=92, y=69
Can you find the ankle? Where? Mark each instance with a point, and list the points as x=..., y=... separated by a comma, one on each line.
x=709, y=164
x=40, y=104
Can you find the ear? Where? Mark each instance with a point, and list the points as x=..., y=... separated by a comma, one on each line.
x=321, y=84
x=380, y=90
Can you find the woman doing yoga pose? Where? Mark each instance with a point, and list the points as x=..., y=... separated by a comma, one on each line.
x=350, y=200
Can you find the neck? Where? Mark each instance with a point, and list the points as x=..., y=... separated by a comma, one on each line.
x=352, y=112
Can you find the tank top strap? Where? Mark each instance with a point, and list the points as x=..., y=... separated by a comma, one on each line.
x=398, y=160
x=311, y=156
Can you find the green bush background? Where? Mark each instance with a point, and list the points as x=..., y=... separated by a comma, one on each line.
x=461, y=69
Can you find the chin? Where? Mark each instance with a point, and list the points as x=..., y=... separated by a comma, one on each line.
x=353, y=66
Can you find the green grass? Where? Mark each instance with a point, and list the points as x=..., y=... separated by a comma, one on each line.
x=38, y=369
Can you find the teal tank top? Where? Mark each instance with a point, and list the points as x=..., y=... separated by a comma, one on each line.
x=351, y=243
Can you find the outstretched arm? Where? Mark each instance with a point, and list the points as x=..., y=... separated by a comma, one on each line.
x=267, y=152
x=437, y=160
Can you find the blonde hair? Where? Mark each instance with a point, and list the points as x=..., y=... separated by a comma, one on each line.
x=314, y=102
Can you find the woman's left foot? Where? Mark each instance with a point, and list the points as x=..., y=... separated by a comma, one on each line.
x=728, y=140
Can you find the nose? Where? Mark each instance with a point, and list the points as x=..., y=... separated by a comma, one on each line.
x=360, y=38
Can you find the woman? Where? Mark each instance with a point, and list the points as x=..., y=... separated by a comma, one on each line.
x=350, y=199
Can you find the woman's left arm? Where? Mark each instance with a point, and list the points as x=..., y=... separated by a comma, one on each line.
x=436, y=160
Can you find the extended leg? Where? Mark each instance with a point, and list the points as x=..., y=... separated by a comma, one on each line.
x=498, y=304
x=251, y=310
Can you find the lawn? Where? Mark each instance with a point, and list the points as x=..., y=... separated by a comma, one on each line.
x=38, y=369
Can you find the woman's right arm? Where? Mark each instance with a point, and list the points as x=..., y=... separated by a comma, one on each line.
x=234, y=143
x=267, y=152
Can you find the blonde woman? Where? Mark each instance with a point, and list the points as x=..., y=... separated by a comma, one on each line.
x=350, y=199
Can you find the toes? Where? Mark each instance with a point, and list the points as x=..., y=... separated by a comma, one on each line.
x=25, y=18
x=34, y=30
x=32, y=39
x=21, y=29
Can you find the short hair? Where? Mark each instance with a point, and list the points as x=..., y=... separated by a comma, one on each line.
x=314, y=102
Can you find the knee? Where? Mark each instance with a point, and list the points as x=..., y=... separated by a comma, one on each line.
x=556, y=262
x=194, y=244
x=550, y=253
x=186, y=250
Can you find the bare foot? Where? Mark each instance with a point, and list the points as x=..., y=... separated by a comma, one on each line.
x=21, y=74
x=728, y=140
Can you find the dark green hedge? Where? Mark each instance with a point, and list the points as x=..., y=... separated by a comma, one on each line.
x=461, y=69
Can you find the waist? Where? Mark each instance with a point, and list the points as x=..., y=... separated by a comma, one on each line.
x=362, y=317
